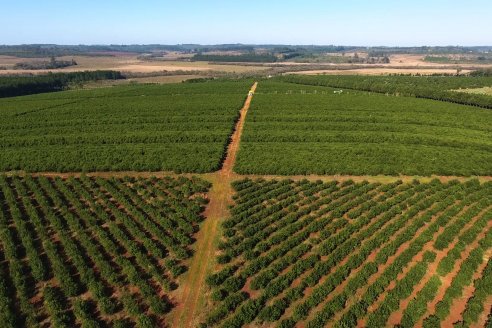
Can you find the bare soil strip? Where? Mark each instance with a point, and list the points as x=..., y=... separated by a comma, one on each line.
x=190, y=295
x=209, y=176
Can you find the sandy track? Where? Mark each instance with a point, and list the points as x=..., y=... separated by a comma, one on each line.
x=191, y=296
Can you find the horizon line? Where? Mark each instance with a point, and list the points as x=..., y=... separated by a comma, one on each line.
x=247, y=44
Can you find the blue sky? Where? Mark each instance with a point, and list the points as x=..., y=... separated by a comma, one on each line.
x=343, y=22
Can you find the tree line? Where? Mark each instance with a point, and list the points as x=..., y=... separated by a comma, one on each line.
x=53, y=63
x=12, y=86
x=442, y=88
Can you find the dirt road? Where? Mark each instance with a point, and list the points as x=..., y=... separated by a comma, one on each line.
x=191, y=293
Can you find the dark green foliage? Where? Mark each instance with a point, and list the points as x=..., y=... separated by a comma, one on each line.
x=418, y=306
x=464, y=276
x=443, y=88
x=53, y=63
x=177, y=127
x=432, y=322
x=114, y=248
x=56, y=305
x=327, y=252
x=483, y=289
x=302, y=129
x=27, y=85
x=482, y=72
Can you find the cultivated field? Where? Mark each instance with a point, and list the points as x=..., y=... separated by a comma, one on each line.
x=179, y=63
x=298, y=201
x=92, y=251
x=311, y=254
x=180, y=127
x=296, y=129
x=124, y=62
x=382, y=71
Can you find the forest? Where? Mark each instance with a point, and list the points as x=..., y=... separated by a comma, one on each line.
x=53, y=63
x=13, y=86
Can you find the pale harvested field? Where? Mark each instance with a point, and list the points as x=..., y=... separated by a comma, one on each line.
x=410, y=60
x=382, y=71
x=407, y=64
x=418, y=60
x=480, y=91
x=403, y=60
x=128, y=63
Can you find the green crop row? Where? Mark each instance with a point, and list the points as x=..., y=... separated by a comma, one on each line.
x=361, y=133
x=318, y=254
x=182, y=128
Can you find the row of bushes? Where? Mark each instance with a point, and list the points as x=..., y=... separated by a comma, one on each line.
x=443, y=212
x=84, y=232
x=320, y=235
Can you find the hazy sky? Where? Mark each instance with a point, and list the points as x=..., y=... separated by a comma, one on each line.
x=347, y=22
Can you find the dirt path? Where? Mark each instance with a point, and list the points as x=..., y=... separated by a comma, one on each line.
x=190, y=296
x=208, y=176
